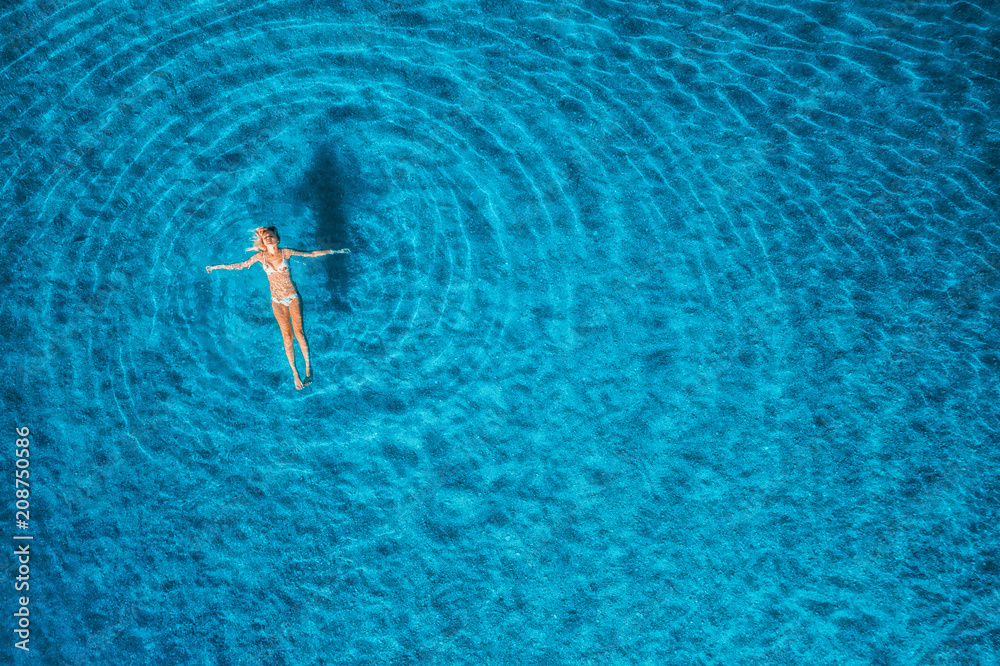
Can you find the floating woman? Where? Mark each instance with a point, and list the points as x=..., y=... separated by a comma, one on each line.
x=284, y=299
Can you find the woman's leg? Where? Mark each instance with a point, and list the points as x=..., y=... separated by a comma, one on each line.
x=281, y=314
x=295, y=310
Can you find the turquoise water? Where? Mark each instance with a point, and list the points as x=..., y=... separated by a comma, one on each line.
x=667, y=336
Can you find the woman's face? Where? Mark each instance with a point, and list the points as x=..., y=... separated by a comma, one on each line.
x=269, y=237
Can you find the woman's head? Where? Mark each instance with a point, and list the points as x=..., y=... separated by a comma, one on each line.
x=264, y=236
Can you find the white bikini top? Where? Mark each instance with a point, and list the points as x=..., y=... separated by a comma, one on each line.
x=283, y=268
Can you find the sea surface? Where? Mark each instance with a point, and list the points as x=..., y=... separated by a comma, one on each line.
x=668, y=334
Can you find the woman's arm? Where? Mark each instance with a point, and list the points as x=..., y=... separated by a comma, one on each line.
x=316, y=253
x=233, y=267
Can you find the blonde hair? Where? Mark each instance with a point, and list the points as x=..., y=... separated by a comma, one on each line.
x=258, y=238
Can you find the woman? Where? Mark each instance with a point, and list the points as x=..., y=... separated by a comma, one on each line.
x=284, y=298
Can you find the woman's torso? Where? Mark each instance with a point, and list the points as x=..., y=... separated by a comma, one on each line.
x=278, y=274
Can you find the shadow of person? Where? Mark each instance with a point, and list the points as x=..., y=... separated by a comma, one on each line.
x=330, y=188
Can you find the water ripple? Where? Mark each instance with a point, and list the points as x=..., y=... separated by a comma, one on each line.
x=601, y=254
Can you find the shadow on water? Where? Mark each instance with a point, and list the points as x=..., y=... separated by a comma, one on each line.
x=330, y=189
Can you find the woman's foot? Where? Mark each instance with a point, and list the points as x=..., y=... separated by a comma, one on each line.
x=298, y=383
